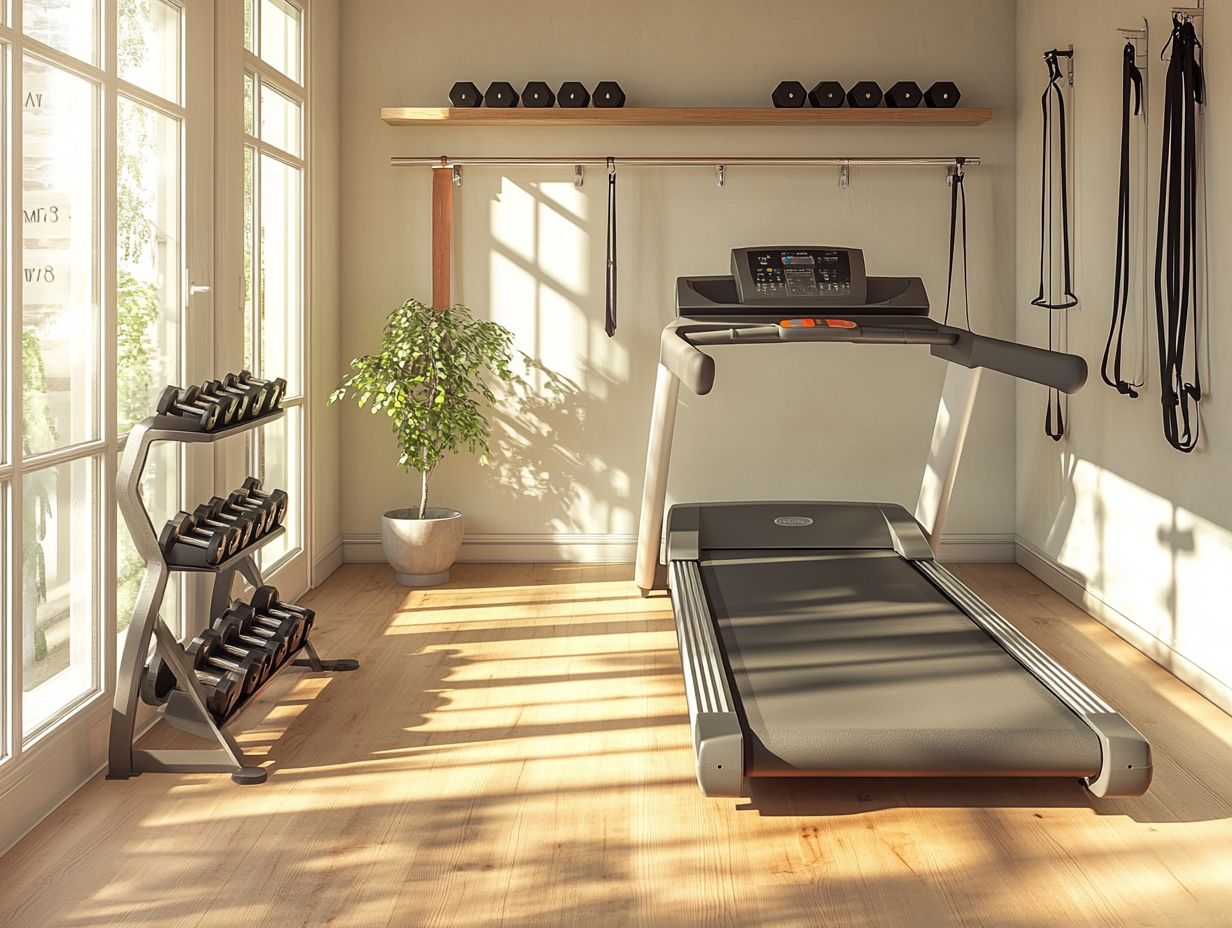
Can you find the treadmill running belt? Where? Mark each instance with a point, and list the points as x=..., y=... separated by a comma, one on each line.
x=852, y=663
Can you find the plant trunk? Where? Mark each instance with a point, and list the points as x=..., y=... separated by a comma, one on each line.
x=423, y=493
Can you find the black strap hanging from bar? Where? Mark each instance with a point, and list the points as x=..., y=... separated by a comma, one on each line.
x=609, y=314
x=1055, y=138
x=1131, y=83
x=1176, y=255
x=957, y=192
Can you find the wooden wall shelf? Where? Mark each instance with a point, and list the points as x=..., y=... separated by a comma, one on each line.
x=684, y=116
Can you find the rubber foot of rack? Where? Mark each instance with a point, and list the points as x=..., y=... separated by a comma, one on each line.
x=247, y=776
x=340, y=664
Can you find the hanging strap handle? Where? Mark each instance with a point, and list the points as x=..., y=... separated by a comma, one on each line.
x=1052, y=92
x=1131, y=84
x=609, y=313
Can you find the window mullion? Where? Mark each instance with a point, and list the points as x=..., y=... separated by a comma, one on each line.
x=152, y=100
x=15, y=633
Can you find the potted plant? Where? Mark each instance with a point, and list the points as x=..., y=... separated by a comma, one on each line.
x=431, y=377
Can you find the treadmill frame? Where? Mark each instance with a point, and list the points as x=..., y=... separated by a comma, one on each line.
x=718, y=735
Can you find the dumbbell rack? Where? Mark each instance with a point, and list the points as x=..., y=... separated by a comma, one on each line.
x=185, y=708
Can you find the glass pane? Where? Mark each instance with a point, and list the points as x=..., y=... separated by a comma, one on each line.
x=148, y=45
x=149, y=255
x=249, y=26
x=250, y=222
x=281, y=120
x=5, y=493
x=281, y=37
x=280, y=302
x=59, y=590
x=60, y=260
x=249, y=118
x=160, y=489
x=275, y=458
x=68, y=25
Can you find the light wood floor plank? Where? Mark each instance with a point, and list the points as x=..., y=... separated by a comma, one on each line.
x=514, y=751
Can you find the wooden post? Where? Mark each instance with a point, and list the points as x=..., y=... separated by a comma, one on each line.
x=442, y=235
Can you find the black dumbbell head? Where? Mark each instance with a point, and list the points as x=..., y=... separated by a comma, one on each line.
x=157, y=682
x=865, y=94
x=904, y=94
x=538, y=95
x=789, y=94
x=572, y=95
x=942, y=95
x=609, y=95
x=500, y=94
x=827, y=94
x=240, y=624
x=464, y=95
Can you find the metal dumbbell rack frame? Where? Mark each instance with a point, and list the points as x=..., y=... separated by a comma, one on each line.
x=185, y=708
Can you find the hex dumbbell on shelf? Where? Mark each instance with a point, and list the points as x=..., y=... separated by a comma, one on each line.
x=278, y=386
x=229, y=643
x=218, y=510
x=265, y=398
x=205, y=655
x=239, y=502
x=205, y=515
x=238, y=625
x=181, y=529
x=265, y=601
x=293, y=625
x=224, y=687
x=206, y=418
x=228, y=406
x=252, y=487
x=214, y=390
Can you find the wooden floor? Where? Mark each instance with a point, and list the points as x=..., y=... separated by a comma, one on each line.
x=514, y=751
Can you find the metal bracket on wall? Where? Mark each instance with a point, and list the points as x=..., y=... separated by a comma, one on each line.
x=844, y=175
x=719, y=171
x=1193, y=14
x=457, y=176
x=579, y=175
x=1141, y=41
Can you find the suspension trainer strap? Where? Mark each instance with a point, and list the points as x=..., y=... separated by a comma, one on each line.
x=609, y=314
x=1054, y=125
x=1176, y=269
x=958, y=191
x=1131, y=84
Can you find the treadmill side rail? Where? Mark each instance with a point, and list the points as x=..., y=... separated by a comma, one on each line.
x=718, y=738
x=1125, y=768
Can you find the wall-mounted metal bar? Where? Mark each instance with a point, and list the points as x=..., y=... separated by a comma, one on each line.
x=709, y=161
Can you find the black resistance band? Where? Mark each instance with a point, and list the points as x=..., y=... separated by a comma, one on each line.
x=957, y=192
x=1131, y=85
x=609, y=313
x=1055, y=138
x=1176, y=265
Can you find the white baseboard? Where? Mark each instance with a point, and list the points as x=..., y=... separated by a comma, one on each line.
x=620, y=549
x=1095, y=601
x=327, y=561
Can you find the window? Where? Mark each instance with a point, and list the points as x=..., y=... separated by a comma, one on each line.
x=274, y=190
x=94, y=332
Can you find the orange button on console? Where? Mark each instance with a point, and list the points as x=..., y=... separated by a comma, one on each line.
x=840, y=323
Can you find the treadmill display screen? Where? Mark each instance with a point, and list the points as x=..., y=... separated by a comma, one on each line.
x=813, y=272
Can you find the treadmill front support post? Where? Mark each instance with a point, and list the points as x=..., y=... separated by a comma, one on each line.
x=648, y=572
x=944, y=454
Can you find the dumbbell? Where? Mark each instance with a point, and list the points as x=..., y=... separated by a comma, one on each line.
x=252, y=487
x=206, y=417
x=864, y=94
x=215, y=390
x=287, y=632
x=228, y=406
x=259, y=520
x=205, y=515
x=293, y=625
x=608, y=95
x=265, y=601
x=230, y=644
x=942, y=95
x=904, y=94
x=538, y=95
x=827, y=94
x=277, y=387
x=260, y=401
x=205, y=655
x=225, y=687
x=181, y=529
x=573, y=95
x=500, y=94
x=788, y=94
x=238, y=625
x=239, y=502
x=465, y=94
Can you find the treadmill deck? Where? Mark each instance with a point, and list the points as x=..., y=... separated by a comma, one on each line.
x=851, y=663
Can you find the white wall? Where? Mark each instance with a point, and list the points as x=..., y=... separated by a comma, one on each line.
x=529, y=249
x=1141, y=533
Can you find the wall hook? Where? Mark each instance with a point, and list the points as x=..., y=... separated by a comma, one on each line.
x=457, y=175
x=718, y=175
x=579, y=175
x=844, y=175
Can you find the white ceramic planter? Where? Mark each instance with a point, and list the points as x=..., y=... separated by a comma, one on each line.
x=421, y=551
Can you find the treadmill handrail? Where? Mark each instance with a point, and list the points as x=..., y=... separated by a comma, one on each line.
x=680, y=352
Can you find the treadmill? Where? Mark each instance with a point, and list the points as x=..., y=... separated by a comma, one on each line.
x=822, y=638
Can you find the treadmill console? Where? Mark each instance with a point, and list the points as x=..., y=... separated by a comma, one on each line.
x=802, y=276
